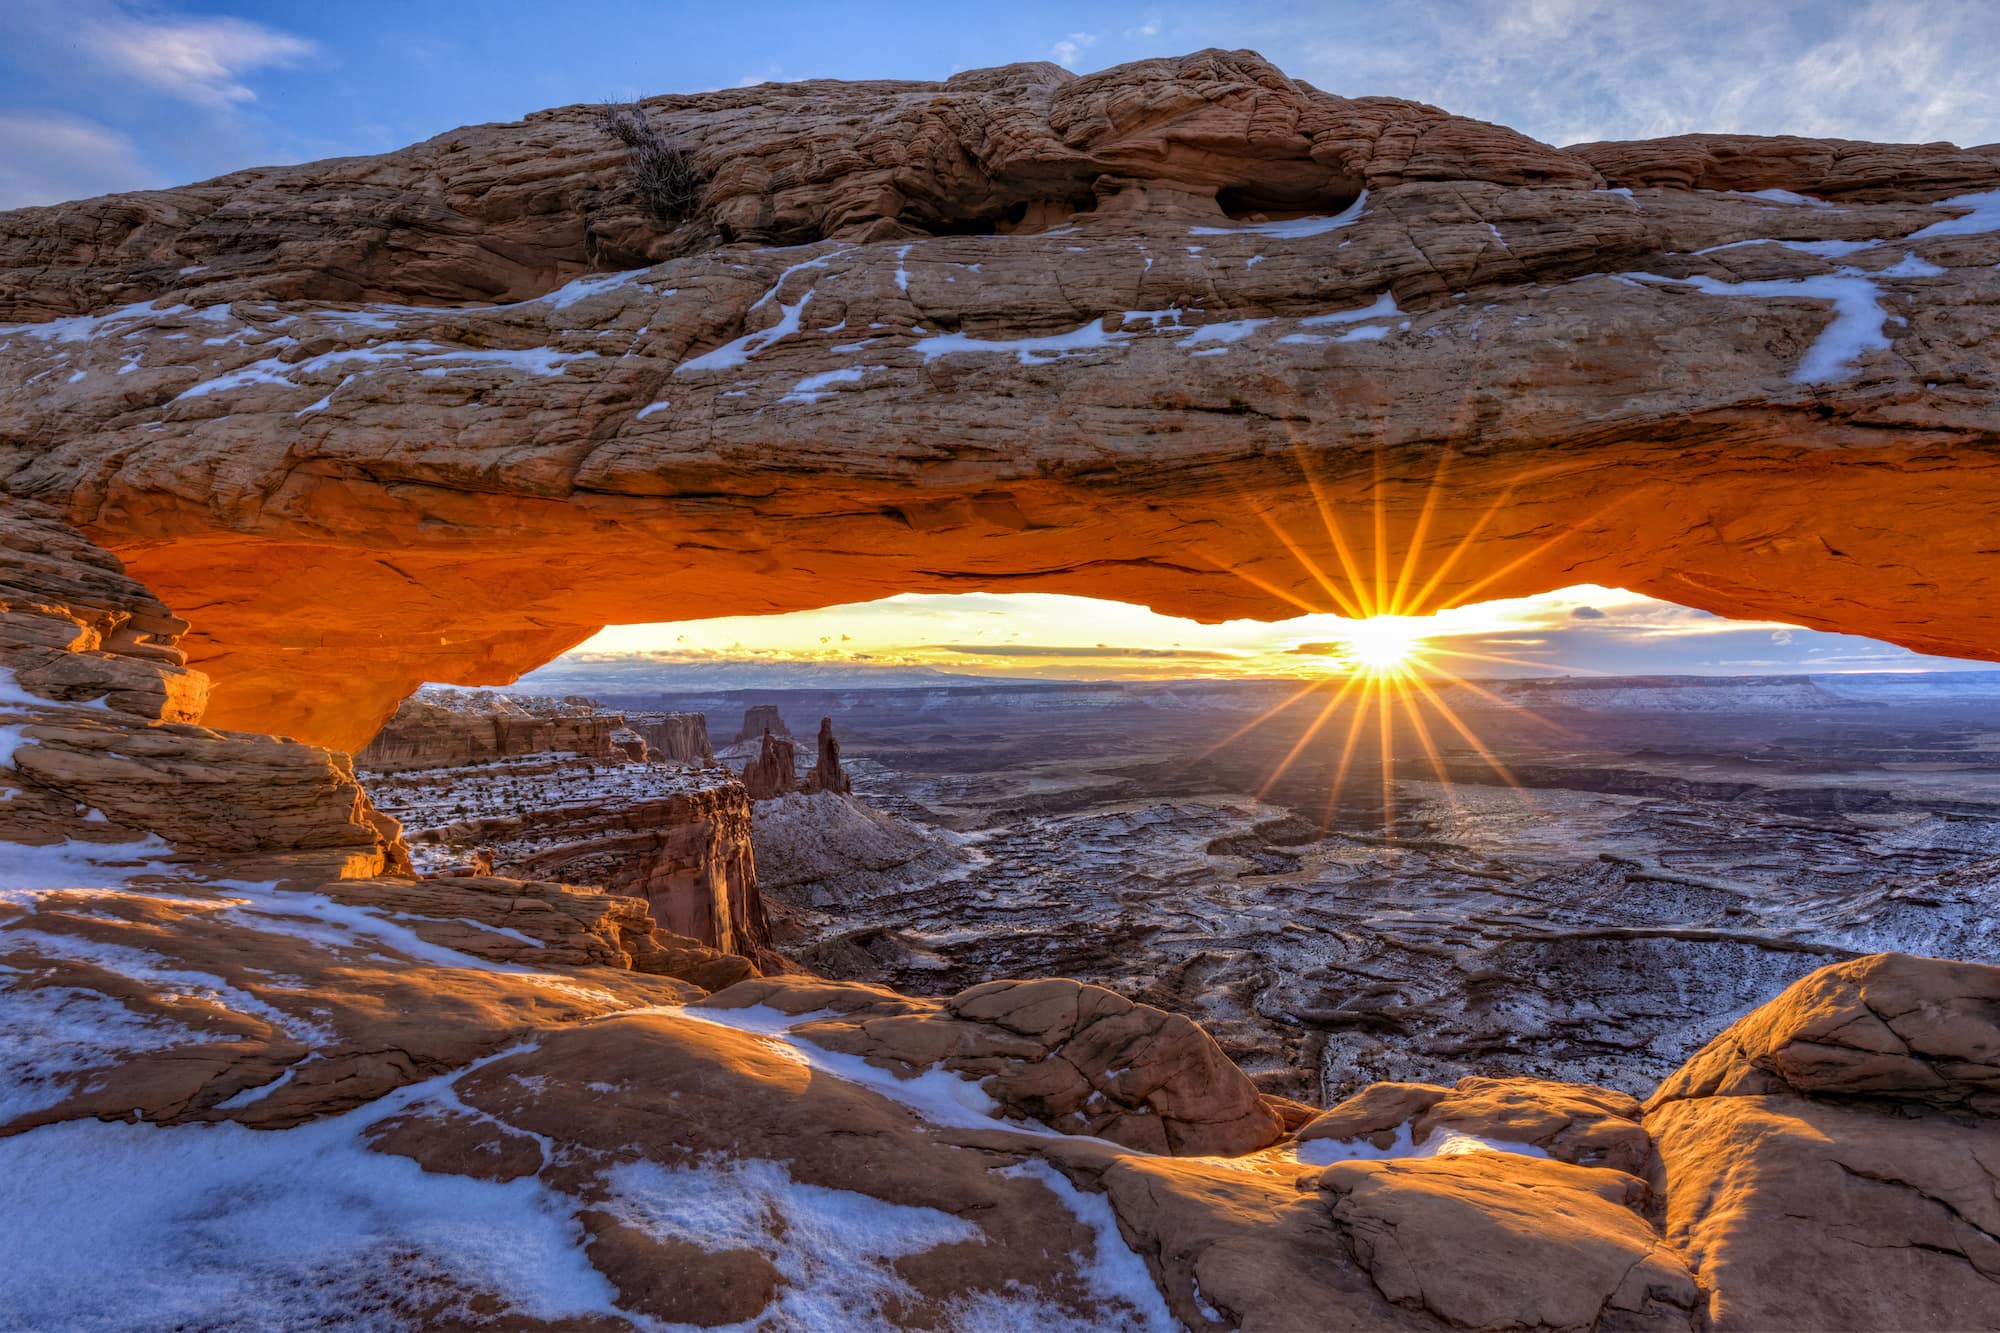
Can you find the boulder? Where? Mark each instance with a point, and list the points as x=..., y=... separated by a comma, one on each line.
x=1833, y=1158
x=1075, y=1057
x=1571, y=1122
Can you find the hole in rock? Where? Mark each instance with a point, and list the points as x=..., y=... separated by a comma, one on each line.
x=1019, y=217
x=1275, y=828
x=1282, y=199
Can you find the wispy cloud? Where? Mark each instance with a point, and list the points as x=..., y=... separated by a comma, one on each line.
x=1073, y=651
x=1916, y=70
x=46, y=158
x=200, y=60
x=1071, y=48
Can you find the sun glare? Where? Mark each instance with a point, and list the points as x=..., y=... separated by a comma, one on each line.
x=1394, y=677
x=1383, y=643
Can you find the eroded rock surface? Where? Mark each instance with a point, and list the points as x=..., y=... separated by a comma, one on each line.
x=676, y=837
x=437, y=730
x=1834, y=1158
x=1078, y=1058
x=185, y=1038
x=516, y=1101
x=1142, y=334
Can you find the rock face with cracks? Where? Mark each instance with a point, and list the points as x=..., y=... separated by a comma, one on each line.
x=423, y=735
x=1153, y=334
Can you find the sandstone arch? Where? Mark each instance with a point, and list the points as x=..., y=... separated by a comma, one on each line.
x=1595, y=364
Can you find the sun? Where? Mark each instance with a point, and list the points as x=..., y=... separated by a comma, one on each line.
x=1384, y=643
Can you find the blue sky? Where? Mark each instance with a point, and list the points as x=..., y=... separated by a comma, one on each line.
x=102, y=95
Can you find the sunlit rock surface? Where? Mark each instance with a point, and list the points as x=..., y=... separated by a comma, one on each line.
x=440, y=729
x=440, y=414
x=677, y=837
x=426, y=416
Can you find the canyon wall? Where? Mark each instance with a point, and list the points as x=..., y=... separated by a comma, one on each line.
x=423, y=735
x=677, y=738
x=1186, y=333
x=687, y=854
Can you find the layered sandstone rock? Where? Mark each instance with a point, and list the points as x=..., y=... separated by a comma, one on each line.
x=774, y=769
x=676, y=738
x=683, y=847
x=827, y=775
x=760, y=720
x=365, y=499
x=1022, y=330
x=1833, y=1159
x=1571, y=1122
x=1075, y=1057
x=98, y=734
x=425, y=734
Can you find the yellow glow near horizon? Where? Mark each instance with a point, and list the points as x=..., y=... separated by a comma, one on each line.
x=1381, y=643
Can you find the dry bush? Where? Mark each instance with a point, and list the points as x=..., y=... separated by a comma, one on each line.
x=663, y=172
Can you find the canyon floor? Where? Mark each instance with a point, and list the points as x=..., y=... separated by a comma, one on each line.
x=1670, y=854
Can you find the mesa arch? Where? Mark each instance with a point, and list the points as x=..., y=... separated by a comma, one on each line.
x=443, y=413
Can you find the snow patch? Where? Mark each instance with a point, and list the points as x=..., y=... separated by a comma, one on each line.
x=1225, y=332
x=1438, y=1143
x=1858, y=316
x=50, y=1034
x=1777, y=197
x=1381, y=307
x=217, y=1226
x=1292, y=228
x=1089, y=337
x=813, y=387
x=1115, y=1275
x=835, y=1247
x=1824, y=249
x=1982, y=215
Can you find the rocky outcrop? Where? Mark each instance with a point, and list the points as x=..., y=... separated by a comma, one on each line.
x=1141, y=334
x=1904, y=1030
x=676, y=738
x=428, y=735
x=773, y=772
x=685, y=851
x=1832, y=1159
x=98, y=734
x=1040, y=1153
x=1075, y=1057
x=1571, y=1122
x=761, y=720
x=827, y=774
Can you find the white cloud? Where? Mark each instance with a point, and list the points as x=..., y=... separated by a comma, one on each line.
x=203, y=61
x=1070, y=48
x=1150, y=28
x=1567, y=71
x=46, y=158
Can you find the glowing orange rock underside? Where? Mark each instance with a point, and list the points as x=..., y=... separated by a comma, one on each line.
x=320, y=640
